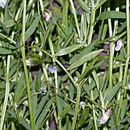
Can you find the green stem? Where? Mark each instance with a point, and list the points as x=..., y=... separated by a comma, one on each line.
x=56, y=81
x=128, y=27
x=6, y=95
x=41, y=4
x=127, y=60
x=25, y=69
x=75, y=17
x=94, y=116
x=100, y=93
x=92, y=23
x=112, y=46
x=76, y=107
x=122, y=92
x=111, y=51
x=9, y=39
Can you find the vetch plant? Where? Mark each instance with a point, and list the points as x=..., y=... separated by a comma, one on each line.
x=51, y=57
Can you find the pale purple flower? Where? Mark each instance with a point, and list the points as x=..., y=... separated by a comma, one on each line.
x=47, y=16
x=83, y=104
x=2, y=3
x=42, y=89
x=29, y=62
x=127, y=86
x=51, y=69
x=118, y=45
x=105, y=117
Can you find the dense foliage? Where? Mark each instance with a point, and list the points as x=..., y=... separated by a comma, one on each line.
x=64, y=64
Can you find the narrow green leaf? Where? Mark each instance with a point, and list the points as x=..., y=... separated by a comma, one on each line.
x=112, y=15
x=88, y=87
x=43, y=114
x=90, y=66
x=100, y=4
x=32, y=28
x=84, y=116
x=65, y=12
x=123, y=26
x=41, y=104
x=110, y=93
x=20, y=88
x=49, y=30
x=69, y=49
x=83, y=5
x=85, y=50
x=5, y=51
x=123, y=108
x=85, y=58
x=68, y=40
x=60, y=103
x=4, y=27
x=66, y=110
x=71, y=90
x=34, y=97
x=24, y=123
x=10, y=23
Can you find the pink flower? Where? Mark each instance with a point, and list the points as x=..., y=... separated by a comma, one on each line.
x=105, y=117
x=2, y=3
x=47, y=17
x=118, y=45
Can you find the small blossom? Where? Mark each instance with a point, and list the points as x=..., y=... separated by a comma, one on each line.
x=79, y=41
x=47, y=16
x=118, y=45
x=83, y=104
x=127, y=86
x=42, y=89
x=76, y=78
x=105, y=117
x=29, y=62
x=2, y=3
x=51, y=69
x=15, y=106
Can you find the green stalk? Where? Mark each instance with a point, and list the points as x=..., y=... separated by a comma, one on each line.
x=9, y=39
x=75, y=17
x=56, y=82
x=6, y=94
x=94, y=116
x=76, y=107
x=92, y=23
x=91, y=30
x=100, y=93
x=128, y=27
x=122, y=92
x=25, y=69
x=41, y=4
x=127, y=60
x=65, y=12
x=111, y=51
